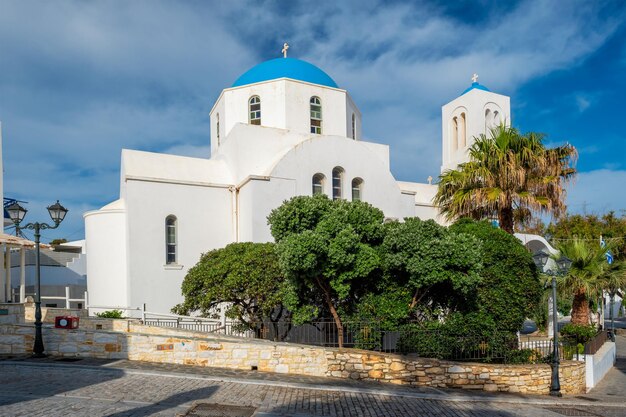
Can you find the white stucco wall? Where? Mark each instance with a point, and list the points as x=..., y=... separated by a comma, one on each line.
x=474, y=104
x=204, y=222
x=285, y=104
x=107, y=269
x=599, y=364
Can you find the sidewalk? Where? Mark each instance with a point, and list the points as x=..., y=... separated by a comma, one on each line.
x=315, y=383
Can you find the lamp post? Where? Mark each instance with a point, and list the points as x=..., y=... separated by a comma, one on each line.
x=57, y=214
x=563, y=264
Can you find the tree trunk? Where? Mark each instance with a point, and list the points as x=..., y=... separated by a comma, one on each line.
x=580, y=308
x=505, y=217
x=329, y=301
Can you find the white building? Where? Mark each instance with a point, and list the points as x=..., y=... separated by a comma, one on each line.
x=283, y=129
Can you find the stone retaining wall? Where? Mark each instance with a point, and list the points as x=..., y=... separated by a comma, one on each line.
x=111, y=339
x=411, y=370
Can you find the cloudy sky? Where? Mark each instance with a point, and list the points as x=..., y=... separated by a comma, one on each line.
x=81, y=80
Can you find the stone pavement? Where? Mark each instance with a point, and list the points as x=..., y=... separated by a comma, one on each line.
x=122, y=388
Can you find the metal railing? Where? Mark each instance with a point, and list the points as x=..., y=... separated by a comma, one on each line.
x=594, y=345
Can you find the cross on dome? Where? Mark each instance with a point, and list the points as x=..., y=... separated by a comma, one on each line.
x=475, y=78
x=284, y=50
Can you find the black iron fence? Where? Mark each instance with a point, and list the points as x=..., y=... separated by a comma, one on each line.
x=497, y=346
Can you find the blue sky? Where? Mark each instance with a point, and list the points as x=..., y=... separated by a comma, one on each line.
x=79, y=81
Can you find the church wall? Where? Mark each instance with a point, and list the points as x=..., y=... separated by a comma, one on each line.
x=218, y=111
x=351, y=109
x=272, y=105
x=298, y=96
x=107, y=274
x=203, y=222
x=256, y=200
x=322, y=155
x=474, y=105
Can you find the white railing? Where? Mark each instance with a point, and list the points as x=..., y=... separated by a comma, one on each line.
x=66, y=298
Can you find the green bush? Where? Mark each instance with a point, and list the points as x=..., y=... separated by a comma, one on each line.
x=471, y=336
x=111, y=314
x=578, y=332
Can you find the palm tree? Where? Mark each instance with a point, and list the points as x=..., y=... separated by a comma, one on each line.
x=587, y=276
x=509, y=176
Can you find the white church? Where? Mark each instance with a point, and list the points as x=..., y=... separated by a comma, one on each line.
x=283, y=129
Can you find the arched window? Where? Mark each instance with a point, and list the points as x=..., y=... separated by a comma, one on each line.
x=217, y=127
x=318, y=184
x=254, y=109
x=462, y=131
x=316, y=115
x=170, y=240
x=496, y=118
x=357, y=189
x=455, y=133
x=353, y=126
x=487, y=121
x=337, y=180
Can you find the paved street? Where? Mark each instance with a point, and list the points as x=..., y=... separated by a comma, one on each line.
x=51, y=388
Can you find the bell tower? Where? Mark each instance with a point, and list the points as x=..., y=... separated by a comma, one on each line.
x=471, y=114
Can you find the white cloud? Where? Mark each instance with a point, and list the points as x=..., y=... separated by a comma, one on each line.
x=82, y=80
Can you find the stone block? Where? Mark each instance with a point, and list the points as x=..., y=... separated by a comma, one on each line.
x=456, y=369
x=68, y=348
x=375, y=374
x=490, y=387
x=105, y=338
x=397, y=366
x=284, y=369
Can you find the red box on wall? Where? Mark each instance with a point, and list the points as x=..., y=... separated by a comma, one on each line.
x=66, y=322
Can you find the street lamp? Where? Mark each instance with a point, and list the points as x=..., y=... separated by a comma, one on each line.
x=563, y=264
x=57, y=214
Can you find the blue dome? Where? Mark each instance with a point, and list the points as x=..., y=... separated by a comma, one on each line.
x=285, y=68
x=476, y=86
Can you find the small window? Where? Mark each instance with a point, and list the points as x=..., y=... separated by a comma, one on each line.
x=357, y=188
x=217, y=127
x=353, y=127
x=254, y=107
x=487, y=121
x=462, y=131
x=316, y=115
x=318, y=184
x=455, y=133
x=337, y=180
x=170, y=240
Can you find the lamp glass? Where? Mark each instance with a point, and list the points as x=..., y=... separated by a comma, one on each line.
x=16, y=212
x=57, y=212
x=541, y=258
x=564, y=264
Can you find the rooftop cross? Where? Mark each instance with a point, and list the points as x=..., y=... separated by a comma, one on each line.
x=284, y=50
x=475, y=78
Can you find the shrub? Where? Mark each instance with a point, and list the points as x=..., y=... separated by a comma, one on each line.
x=578, y=332
x=111, y=314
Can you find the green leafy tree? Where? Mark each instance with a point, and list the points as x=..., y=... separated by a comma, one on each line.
x=327, y=250
x=244, y=278
x=510, y=288
x=439, y=267
x=509, y=176
x=610, y=227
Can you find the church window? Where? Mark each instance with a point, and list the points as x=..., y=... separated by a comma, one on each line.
x=455, y=133
x=217, y=128
x=255, y=110
x=357, y=188
x=353, y=127
x=487, y=121
x=462, y=131
x=337, y=180
x=316, y=115
x=170, y=240
x=318, y=184
x=496, y=118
